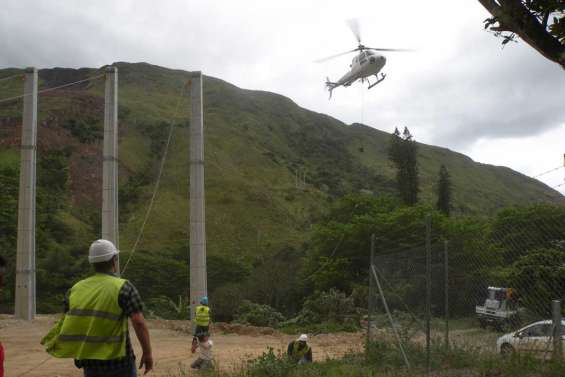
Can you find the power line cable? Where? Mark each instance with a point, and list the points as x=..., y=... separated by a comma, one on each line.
x=35, y=367
x=548, y=171
x=52, y=88
x=11, y=77
x=157, y=183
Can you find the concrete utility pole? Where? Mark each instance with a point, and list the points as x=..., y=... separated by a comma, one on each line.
x=198, y=279
x=25, y=259
x=110, y=167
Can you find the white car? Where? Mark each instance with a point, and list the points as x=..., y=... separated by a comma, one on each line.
x=535, y=338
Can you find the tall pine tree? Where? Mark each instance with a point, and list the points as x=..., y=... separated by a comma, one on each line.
x=444, y=191
x=403, y=154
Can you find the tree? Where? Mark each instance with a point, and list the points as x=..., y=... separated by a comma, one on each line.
x=540, y=23
x=539, y=277
x=444, y=191
x=403, y=154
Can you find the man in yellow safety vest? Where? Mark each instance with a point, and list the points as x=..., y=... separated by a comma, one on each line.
x=202, y=321
x=94, y=330
x=299, y=350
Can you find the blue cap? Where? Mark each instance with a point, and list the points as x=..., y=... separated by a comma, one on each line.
x=204, y=300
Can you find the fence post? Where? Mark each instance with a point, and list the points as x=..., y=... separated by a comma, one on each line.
x=557, y=342
x=446, y=289
x=371, y=291
x=395, y=332
x=428, y=291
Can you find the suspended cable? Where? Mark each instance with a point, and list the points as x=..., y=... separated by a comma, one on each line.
x=11, y=77
x=547, y=172
x=157, y=184
x=53, y=88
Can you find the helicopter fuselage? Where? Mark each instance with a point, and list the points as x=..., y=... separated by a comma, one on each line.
x=367, y=63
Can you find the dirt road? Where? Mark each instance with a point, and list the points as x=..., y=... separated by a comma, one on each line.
x=171, y=347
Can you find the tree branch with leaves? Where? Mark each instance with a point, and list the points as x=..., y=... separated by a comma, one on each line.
x=539, y=23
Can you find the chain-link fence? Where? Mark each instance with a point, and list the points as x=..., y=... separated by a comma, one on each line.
x=485, y=289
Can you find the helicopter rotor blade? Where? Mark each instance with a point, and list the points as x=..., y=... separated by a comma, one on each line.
x=335, y=56
x=389, y=49
x=355, y=28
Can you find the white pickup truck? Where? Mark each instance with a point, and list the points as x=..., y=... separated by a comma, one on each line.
x=499, y=310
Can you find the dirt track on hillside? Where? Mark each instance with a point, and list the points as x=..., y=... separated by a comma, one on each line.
x=171, y=347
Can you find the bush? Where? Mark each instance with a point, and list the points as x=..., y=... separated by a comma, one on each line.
x=257, y=314
x=331, y=306
x=225, y=302
x=165, y=307
x=269, y=365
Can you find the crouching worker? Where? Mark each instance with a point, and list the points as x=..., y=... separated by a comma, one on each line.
x=205, y=359
x=202, y=321
x=94, y=329
x=299, y=350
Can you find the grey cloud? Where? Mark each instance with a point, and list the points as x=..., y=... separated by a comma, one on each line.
x=482, y=93
x=457, y=97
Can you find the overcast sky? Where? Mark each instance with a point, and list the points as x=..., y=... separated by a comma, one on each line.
x=459, y=90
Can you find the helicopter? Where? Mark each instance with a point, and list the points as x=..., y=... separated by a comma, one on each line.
x=366, y=64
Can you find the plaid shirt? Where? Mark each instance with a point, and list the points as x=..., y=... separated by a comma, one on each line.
x=130, y=302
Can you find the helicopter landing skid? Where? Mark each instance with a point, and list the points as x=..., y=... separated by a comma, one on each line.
x=378, y=80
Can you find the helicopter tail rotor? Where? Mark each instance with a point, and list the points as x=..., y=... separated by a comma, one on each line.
x=330, y=86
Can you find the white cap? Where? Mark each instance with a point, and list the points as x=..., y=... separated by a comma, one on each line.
x=303, y=338
x=101, y=251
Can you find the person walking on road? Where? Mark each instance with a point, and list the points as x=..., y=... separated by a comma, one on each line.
x=202, y=321
x=299, y=350
x=94, y=329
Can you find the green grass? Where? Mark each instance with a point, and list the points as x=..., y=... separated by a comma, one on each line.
x=9, y=158
x=383, y=360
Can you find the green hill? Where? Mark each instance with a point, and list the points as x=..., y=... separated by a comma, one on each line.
x=255, y=142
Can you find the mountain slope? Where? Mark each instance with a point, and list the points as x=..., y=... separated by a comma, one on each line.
x=255, y=142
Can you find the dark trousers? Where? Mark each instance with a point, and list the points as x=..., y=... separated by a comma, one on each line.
x=201, y=330
x=129, y=371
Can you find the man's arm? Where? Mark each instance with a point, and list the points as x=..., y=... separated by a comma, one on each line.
x=289, y=349
x=132, y=305
x=142, y=333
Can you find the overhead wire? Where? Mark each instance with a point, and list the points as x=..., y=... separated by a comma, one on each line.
x=548, y=171
x=157, y=183
x=11, y=77
x=52, y=88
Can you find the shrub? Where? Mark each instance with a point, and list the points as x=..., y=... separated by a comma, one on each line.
x=225, y=301
x=166, y=308
x=331, y=306
x=258, y=314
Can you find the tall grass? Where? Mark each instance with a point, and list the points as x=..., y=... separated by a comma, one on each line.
x=382, y=359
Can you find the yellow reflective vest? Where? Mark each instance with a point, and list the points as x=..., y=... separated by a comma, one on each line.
x=202, y=314
x=299, y=353
x=95, y=326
